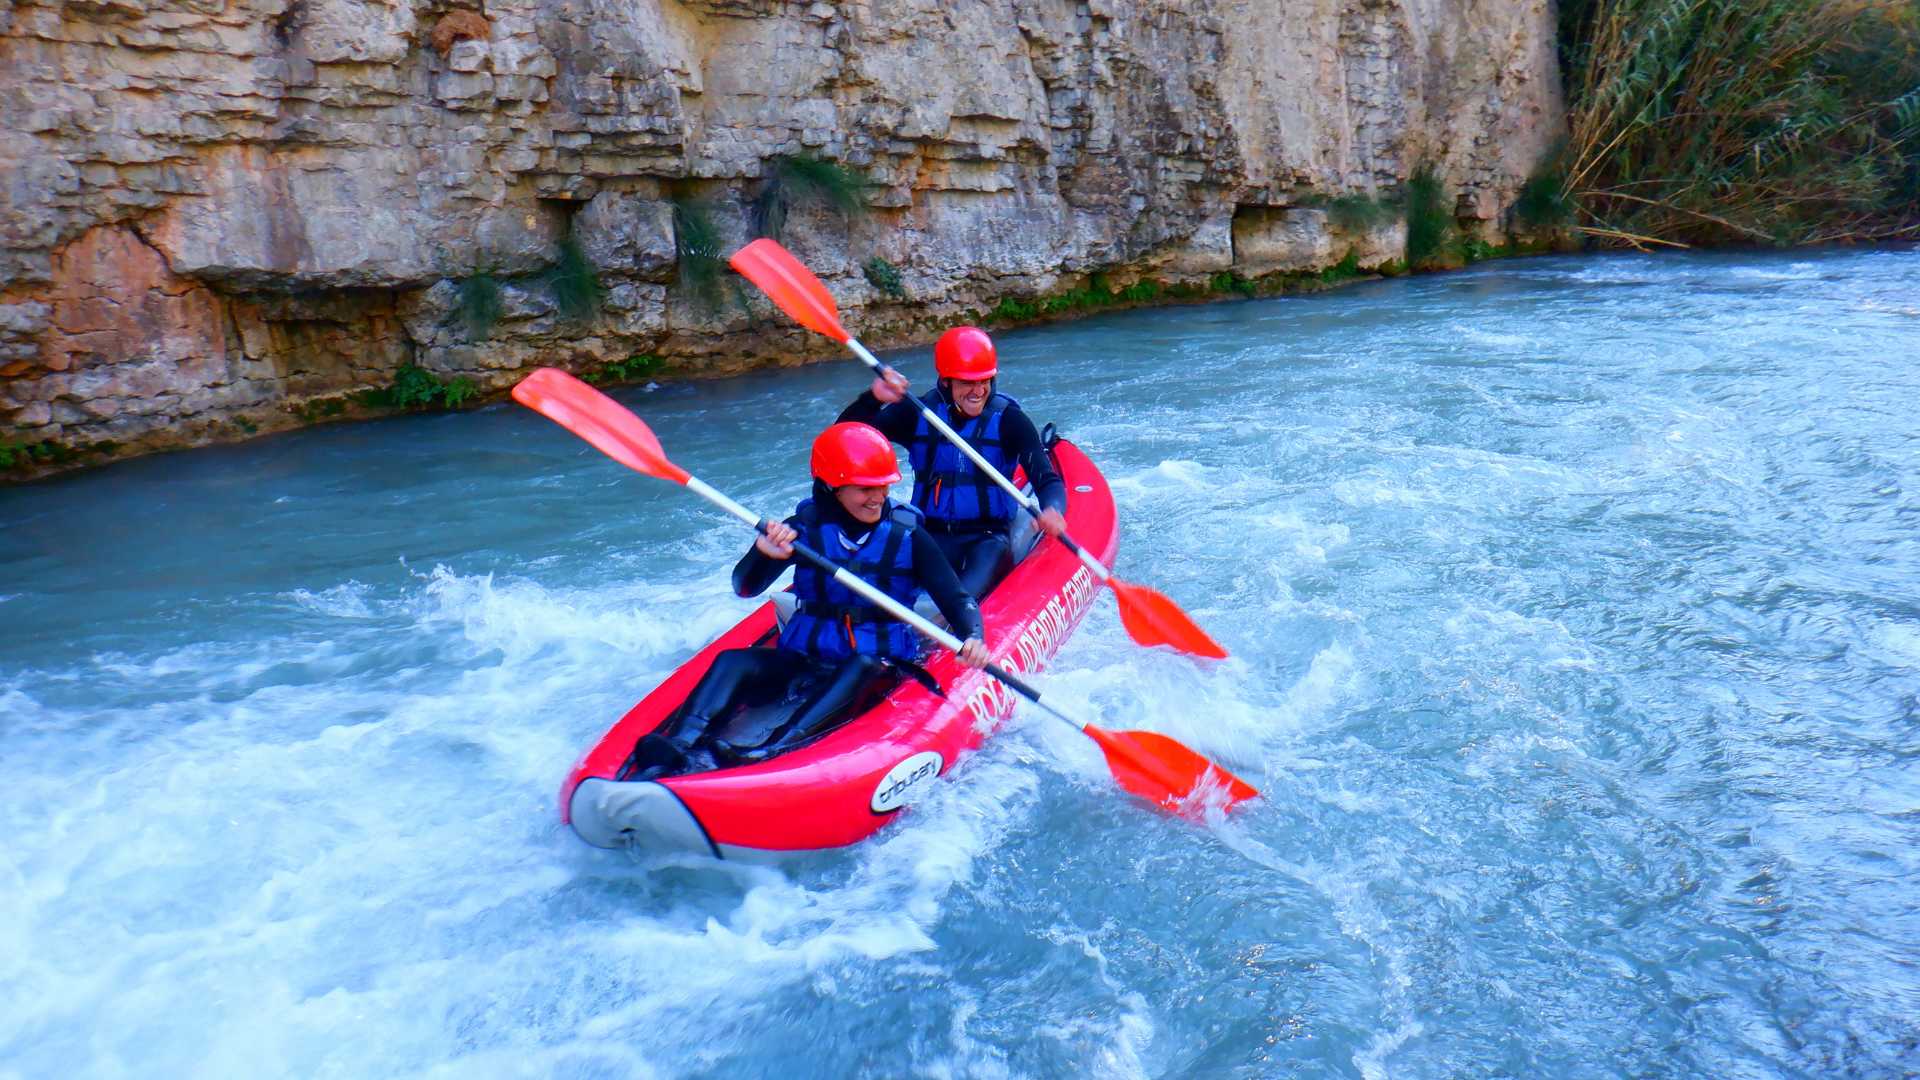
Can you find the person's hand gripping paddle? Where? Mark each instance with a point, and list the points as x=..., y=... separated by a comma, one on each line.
x=1154, y=767
x=1149, y=616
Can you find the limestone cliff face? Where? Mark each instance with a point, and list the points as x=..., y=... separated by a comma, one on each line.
x=213, y=211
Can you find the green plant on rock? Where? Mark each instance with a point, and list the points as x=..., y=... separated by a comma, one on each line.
x=23, y=456
x=1473, y=249
x=632, y=369
x=1359, y=212
x=1545, y=203
x=1012, y=310
x=1346, y=269
x=322, y=408
x=703, y=274
x=1144, y=291
x=1228, y=282
x=1096, y=293
x=413, y=387
x=479, y=305
x=575, y=284
x=793, y=180
x=457, y=391
x=1430, y=227
x=884, y=276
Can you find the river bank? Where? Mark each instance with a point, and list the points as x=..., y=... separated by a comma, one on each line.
x=415, y=389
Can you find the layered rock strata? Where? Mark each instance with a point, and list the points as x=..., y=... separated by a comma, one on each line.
x=217, y=212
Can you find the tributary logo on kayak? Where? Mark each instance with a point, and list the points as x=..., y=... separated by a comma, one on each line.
x=903, y=778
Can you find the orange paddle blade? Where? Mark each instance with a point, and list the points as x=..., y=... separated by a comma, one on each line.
x=790, y=285
x=1166, y=773
x=1152, y=619
x=610, y=426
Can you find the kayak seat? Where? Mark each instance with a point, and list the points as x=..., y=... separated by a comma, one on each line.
x=757, y=733
x=1023, y=536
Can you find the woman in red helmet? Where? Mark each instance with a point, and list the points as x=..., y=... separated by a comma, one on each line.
x=968, y=513
x=837, y=642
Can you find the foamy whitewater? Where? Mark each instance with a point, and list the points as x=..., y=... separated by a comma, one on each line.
x=1575, y=610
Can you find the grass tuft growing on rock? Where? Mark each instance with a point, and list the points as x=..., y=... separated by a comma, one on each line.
x=1475, y=250
x=322, y=408
x=413, y=387
x=792, y=181
x=1359, y=212
x=575, y=284
x=1228, y=282
x=1545, y=202
x=1346, y=269
x=703, y=273
x=480, y=305
x=1012, y=310
x=884, y=276
x=1430, y=227
x=1097, y=293
x=632, y=369
x=23, y=457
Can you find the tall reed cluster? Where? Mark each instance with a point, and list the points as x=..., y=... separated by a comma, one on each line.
x=1737, y=121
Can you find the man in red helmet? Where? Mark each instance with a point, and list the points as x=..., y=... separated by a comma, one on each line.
x=837, y=642
x=969, y=514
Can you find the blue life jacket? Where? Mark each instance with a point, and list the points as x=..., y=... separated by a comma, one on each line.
x=948, y=488
x=834, y=621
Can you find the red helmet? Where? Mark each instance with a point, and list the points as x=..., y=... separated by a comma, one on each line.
x=857, y=454
x=965, y=352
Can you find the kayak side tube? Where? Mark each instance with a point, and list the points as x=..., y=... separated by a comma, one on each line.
x=612, y=814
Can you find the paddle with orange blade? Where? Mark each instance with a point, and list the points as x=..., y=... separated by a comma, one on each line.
x=1154, y=767
x=1149, y=616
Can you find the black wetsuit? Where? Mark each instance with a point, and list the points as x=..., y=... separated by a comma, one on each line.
x=981, y=552
x=762, y=676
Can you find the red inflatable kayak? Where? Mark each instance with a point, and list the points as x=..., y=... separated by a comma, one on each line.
x=843, y=787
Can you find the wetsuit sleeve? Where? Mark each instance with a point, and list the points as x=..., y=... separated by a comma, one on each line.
x=1018, y=435
x=755, y=573
x=896, y=421
x=937, y=577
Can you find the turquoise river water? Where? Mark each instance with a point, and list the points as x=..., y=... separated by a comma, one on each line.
x=1575, y=611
